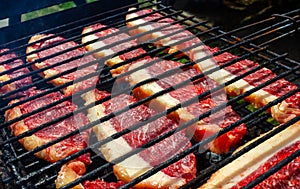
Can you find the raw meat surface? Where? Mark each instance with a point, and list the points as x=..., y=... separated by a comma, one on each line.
x=4, y=67
x=284, y=111
x=100, y=184
x=209, y=125
x=61, y=149
x=108, y=45
x=161, y=151
x=78, y=73
x=287, y=177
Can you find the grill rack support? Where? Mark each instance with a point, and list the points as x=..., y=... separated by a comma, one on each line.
x=221, y=34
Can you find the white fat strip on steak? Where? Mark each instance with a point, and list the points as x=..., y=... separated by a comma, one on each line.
x=221, y=76
x=152, y=88
x=4, y=77
x=165, y=41
x=232, y=173
x=132, y=166
x=280, y=112
x=105, y=52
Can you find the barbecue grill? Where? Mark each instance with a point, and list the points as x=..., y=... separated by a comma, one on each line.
x=21, y=169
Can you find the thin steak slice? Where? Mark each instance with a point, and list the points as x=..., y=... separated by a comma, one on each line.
x=260, y=159
x=14, y=74
x=202, y=128
x=61, y=149
x=174, y=175
x=110, y=53
x=71, y=89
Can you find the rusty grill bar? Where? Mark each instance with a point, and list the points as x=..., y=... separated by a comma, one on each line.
x=25, y=171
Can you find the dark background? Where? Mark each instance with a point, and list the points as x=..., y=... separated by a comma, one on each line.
x=231, y=14
x=234, y=13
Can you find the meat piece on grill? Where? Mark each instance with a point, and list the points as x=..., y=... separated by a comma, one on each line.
x=74, y=170
x=173, y=176
x=14, y=74
x=201, y=129
x=282, y=112
x=260, y=159
x=70, y=172
x=194, y=49
x=100, y=184
x=61, y=149
x=163, y=28
x=106, y=46
x=57, y=59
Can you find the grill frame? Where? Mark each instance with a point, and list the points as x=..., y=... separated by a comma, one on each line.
x=222, y=36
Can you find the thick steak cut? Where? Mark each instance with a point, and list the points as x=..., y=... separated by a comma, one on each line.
x=61, y=149
x=174, y=175
x=282, y=112
x=164, y=29
x=14, y=74
x=201, y=129
x=71, y=89
x=286, y=177
x=111, y=36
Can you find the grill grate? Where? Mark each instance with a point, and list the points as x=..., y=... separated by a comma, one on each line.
x=26, y=171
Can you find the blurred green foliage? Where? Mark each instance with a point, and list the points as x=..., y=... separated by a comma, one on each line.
x=50, y=10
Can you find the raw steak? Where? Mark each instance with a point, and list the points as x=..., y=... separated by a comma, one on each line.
x=202, y=128
x=6, y=77
x=282, y=112
x=260, y=159
x=111, y=53
x=61, y=149
x=71, y=89
x=174, y=175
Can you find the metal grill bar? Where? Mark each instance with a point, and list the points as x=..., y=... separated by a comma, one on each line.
x=92, y=74
x=133, y=128
x=203, y=174
x=59, y=52
x=193, y=121
x=207, y=140
x=270, y=28
x=53, y=55
x=240, y=44
x=78, y=24
x=272, y=170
